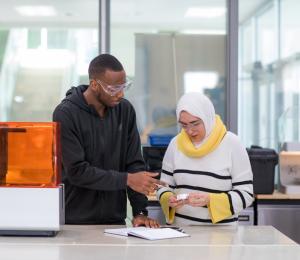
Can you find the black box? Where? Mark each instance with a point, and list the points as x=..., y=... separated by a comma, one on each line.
x=263, y=162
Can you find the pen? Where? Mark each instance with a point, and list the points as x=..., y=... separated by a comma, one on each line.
x=175, y=228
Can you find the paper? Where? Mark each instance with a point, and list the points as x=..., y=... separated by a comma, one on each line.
x=147, y=233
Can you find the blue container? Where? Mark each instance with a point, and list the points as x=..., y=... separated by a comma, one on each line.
x=160, y=140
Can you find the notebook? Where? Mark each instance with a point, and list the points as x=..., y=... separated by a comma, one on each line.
x=147, y=233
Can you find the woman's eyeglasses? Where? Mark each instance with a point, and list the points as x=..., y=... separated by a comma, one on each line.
x=191, y=125
x=114, y=90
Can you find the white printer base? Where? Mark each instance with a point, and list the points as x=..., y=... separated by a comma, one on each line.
x=31, y=211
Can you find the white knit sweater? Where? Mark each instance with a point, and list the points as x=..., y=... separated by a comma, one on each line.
x=226, y=169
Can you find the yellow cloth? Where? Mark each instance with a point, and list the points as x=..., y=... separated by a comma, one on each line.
x=169, y=212
x=219, y=207
x=186, y=146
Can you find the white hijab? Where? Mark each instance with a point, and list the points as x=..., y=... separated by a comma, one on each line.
x=200, y=106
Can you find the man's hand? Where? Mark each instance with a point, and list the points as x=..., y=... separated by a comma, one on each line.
x=144, y=182
x=141, y=220
x=198, y=199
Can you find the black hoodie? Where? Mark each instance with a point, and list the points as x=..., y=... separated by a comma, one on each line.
x=97, y=154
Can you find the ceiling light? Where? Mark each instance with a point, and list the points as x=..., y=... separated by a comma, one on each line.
x=40, y=10
x=19, y=99
x=202, y=12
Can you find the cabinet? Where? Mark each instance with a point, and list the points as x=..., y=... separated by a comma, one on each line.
x=246, y=217
x=155, y=212
x=283, y=214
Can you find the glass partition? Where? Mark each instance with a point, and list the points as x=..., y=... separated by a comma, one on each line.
x=269, y=72
x=45, y=48
x=182, y=49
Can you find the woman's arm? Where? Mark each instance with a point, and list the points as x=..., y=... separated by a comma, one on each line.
x=224, y=205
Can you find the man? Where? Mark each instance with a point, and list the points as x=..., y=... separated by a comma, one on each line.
x=101, y=152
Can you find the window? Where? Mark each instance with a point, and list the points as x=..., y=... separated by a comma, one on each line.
x=44, y=50
x=164, y=55
x=269, y=73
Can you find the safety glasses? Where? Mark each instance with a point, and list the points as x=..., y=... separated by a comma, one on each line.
x=114, y=90
x=191, y=125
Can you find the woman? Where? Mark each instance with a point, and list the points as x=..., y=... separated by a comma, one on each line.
x=207, y=165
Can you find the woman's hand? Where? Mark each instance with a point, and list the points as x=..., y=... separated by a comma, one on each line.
x=198, y=199
x=174, y=203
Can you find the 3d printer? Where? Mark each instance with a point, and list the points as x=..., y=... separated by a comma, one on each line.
x=31, y=196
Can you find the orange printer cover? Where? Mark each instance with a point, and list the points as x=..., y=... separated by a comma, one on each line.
x=30, y=154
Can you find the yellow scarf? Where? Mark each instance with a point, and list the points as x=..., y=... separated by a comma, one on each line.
x=186, y=146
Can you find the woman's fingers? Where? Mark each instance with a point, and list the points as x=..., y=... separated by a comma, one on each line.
x=198, y=199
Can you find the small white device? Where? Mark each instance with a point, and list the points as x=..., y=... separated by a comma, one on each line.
x=183, y=196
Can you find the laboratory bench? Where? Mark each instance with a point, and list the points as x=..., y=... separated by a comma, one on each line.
x=76, y=242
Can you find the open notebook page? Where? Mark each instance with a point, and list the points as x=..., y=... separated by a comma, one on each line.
x=147, y=233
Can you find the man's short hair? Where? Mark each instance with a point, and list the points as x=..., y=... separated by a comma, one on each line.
x=103, y=62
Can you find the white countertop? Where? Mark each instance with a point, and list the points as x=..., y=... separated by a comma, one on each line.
x=205, y=242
